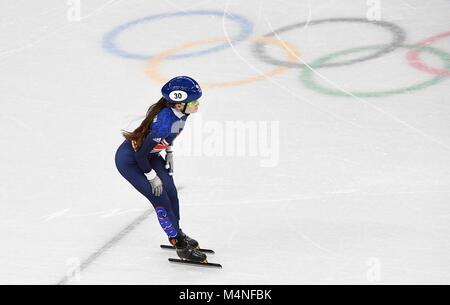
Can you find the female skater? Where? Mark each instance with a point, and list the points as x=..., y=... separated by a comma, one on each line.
x=138, y=159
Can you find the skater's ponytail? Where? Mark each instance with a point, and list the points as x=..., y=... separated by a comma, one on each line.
x=141, y=132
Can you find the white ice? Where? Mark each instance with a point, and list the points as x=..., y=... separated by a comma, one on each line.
x=359, y=194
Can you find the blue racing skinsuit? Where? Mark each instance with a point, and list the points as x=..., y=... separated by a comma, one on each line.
x=132, y=165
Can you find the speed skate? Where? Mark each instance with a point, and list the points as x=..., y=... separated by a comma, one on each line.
x=203, y=263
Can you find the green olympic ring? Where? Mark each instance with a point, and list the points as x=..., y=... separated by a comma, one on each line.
x=307, y=74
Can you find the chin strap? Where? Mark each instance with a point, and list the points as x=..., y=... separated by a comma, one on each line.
x=184, y=109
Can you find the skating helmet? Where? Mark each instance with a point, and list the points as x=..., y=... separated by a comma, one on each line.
x=181, y=89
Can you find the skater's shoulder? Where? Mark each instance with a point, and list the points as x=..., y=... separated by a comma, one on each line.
x=166, y=115
x=162, y=123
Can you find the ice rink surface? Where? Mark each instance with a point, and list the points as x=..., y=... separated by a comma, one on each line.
x=354, y=187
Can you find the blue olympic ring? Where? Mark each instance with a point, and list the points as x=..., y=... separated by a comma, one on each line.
x=109, y=40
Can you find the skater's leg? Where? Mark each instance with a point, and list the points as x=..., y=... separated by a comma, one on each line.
x=158, y=164
x=169, y=222
x=162, y=204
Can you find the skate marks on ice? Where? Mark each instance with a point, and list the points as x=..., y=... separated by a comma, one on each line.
x=109, y=244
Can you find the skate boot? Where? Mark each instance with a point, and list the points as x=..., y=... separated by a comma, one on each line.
x=186, y=252
x=192, y=242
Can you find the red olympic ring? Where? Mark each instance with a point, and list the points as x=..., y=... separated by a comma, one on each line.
x=414, y=60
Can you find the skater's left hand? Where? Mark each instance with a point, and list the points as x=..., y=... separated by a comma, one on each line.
x=169, y=161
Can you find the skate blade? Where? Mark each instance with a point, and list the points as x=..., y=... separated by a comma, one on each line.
x=204, y=263
x=209, y=251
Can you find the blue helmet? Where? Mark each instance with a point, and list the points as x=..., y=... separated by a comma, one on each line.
x=181, y=89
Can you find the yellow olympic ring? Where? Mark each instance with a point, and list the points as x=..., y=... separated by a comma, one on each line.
x=291, y=51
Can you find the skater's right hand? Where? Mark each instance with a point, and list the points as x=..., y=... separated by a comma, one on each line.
x=155, y=182
x=157, y=186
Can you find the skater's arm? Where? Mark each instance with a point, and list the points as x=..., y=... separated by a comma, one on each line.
x=141, y=156
x=159, y=129
x=170, y=140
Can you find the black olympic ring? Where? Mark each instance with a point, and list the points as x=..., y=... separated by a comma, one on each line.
x=399, y=37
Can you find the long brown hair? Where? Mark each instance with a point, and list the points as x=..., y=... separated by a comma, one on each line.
x=139, y=134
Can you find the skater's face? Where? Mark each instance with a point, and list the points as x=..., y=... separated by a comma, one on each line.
x=191, y=107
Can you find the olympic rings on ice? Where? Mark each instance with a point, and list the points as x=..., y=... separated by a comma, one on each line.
x=398, y=37
x=414, y=57
x=292, y=56
x=308, y=74
x=110, y=39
